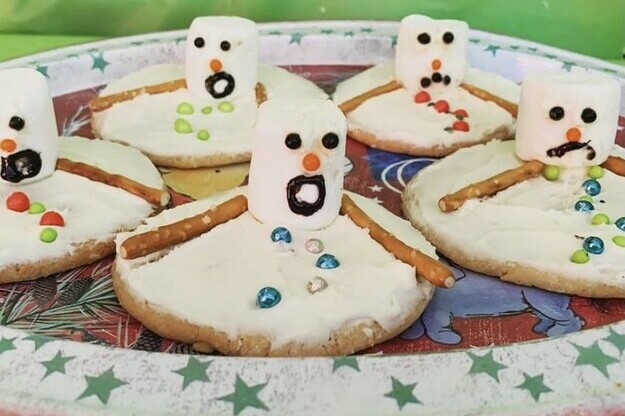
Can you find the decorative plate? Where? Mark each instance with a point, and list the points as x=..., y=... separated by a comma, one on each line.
x=67, y=347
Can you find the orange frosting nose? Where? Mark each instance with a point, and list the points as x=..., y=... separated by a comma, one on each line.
x=216, y=65
x=8, y=145
x=436, y=64
x=311, y=162
x=573, y=134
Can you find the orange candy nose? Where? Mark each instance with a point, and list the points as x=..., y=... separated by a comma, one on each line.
x=216, y=65
x=311, y=162
x=8, y=145
x=436, y=64
x=573, y=134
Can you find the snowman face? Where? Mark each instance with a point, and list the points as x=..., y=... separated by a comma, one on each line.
x=28, y=135
x=296, y=173
x=221, y=57
x=567, y=119
x=430, y=54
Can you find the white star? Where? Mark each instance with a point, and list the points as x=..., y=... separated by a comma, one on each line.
x=375, y=188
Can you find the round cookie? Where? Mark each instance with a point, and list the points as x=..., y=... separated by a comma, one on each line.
x=204, y=111
x=291, y=265
x=551, y=212
x=430, y=104
x=62, y=199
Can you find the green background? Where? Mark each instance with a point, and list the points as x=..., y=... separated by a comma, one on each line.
x=592, y=27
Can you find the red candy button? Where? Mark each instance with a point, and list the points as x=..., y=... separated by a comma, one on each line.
x=18, y=201
x=52, y=218
x=460, y=125
x=422, y=97
x=442, y=106
x=461, y=113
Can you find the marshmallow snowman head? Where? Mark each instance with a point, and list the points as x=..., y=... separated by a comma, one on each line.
x=29, y=145
x=221, y=57
x=431, y=54
x=567, y=119
x=296, y=173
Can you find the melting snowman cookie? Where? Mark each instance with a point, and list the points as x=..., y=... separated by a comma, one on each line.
x=428, y=102
x=61, y=197
x=307, y=270
x=546, y=210
x=202, y=114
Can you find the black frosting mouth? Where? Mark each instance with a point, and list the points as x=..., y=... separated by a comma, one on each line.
x=19, y=166
x=563, y=149
x=218, y=78
x=303, y=207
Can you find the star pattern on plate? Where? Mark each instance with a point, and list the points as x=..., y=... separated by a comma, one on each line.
x=6, y=344
x=568, y=65
x=56, y=364
x=296, y=37
x=245, y=396
x=594, y=357
x=98, y=60
x=402, y=393
x=195, y=370
x=492, y=49
x=339, y=362
x=485, y=364
x=101, y=385
x=534, y=385
x=43, y=70
x=38, y=340
x=616, y=339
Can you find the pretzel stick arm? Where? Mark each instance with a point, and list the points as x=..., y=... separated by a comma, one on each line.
x=354, y=103
x=261, y=93
x=615, y=165
x=102, y=103
x=491, y=186
x=154, y=196
x=430, y=269
x=184, y=230
x=510, y=107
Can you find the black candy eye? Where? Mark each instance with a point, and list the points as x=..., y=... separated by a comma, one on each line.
x=588, y=115
x=17, y=123
x=556, y=113
x=225, y=45
x=423, y=38
x=293, y=141
x=448, y=37
x=198, y=42
x=330, y=141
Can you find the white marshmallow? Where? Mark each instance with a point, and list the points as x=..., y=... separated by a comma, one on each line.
x=221, y=54
x=415, y=60
x=282, y=191
x=29, y=145
x=574, y=93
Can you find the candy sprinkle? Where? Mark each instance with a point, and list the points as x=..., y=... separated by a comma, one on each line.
x=226, y=107
x=281, y=234
x=594, y=245
x=203, y=135
x=36, y=208
x=551, y=172
x=314, y=245
x=207, y=110
x=18, y=201
x=599, y=219
x=182, y=126
x=592, y=187
x=185, y=108
x=584, y=206
x=620, y=223
x=48, y=235
x=327, y=261
x=619, y=240
x=580, y=257
x=268, y=297
x=316, y=284
x=595, y=172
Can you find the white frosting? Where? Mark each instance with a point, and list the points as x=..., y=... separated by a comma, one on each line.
x=532, y=224
x=92, y=211
x=223, y=45
x=219, y=290
x=415, y=60
x=274, y=165
x=147, y=122
x=396, y=117
x=573, y=93
x=25, y=94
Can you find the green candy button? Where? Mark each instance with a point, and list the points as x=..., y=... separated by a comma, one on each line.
x=551, y=173
x=580, y=257
x=182, y=126
x=226, y=107
x=599, y=219
x=595, y=172
x=36, y=208
x=185, y=108
x=203, y=135
x=619, y=240
x=48, y=235
x=207, y=110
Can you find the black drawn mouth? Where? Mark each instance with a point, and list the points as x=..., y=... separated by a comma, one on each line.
x=305, y=208
x=570, y=147
x=220, y=84
x=19, y=166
